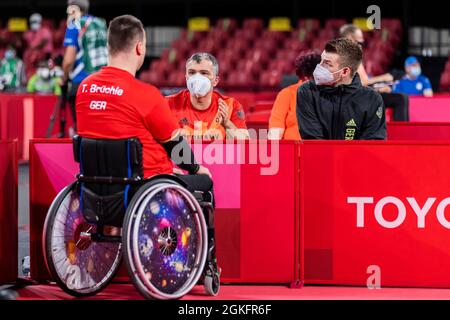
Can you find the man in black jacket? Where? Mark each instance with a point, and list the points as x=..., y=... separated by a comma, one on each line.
x=335, y=106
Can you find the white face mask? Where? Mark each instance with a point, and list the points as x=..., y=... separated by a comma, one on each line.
x=35, y=26
x=322, y=76
x=43, y=73
x=10, y=54
x=416, y=71
x=198, y=85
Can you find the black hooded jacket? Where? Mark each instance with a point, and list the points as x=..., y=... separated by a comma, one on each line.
x=345, y=112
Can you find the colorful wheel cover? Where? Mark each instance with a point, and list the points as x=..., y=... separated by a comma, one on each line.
x=168, y=241
x=82, y=264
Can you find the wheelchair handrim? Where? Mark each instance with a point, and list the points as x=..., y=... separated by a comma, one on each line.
x=132, y=242
x=47, y=221
x=53, y=228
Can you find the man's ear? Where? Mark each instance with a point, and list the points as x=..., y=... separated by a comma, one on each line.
x=347, y=72
x=216, y=81
x=139, y=48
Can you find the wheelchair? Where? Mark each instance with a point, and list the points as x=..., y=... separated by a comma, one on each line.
x=110, y=212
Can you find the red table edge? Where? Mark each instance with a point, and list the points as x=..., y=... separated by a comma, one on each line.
x=245, y=142
x=302, y=142
x=418, y=123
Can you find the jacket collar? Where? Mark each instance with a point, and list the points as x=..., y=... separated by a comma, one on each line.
x=344, y=88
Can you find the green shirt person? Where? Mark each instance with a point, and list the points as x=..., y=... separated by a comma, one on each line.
x=12, y=71
x=42, y=82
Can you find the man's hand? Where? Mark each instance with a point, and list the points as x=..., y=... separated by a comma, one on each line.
x=387, y=77
x=178, y=171
x=61, y=82
x=385, y=89
x=204, y=170
x=223, y=112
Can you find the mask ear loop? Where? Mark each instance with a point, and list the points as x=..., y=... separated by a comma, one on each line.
x=337, y=72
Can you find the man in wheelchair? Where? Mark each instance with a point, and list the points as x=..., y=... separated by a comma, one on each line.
x=127, y=140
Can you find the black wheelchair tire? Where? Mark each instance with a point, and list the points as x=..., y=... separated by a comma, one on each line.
x=46, y=243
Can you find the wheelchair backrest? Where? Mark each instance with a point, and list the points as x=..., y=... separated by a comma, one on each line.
x=109, y=158
x=100, y=160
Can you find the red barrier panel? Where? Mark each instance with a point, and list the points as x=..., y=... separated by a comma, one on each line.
x=436, y=109
x=27, y=116
x=8, y=212
x=419, y=131
x=376, y=209
x=257, y=241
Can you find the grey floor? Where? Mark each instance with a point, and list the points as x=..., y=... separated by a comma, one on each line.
x=24, y=223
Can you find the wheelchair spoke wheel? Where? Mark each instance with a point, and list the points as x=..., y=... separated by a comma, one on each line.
x=78, y=264
x=165, y=241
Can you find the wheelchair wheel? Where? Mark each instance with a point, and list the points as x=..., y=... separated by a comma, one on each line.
x=80, y=266
x=164, y=240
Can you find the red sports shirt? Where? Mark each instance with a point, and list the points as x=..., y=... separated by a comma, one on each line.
x=205, y=123
x=112, y=104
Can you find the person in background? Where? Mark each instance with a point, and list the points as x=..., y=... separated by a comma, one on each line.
x=202, y=112
x=283, y=118
x=382, y=83
x=42, y=81
x=414, y=83
x=335, y=105
x=39, y=39
x=12, y=72
x=85, y=45
x=56, y=70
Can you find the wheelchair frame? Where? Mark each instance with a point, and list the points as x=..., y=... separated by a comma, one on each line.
x=146, y=191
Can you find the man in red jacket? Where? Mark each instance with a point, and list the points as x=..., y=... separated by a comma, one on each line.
x=202, y=112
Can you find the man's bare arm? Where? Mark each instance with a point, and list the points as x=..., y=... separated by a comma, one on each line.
x=366, y=81
x=234, y=132
x=68, y=62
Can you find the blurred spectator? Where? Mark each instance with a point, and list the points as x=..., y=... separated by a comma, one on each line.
x=42, y=82
x=12, y=72
x=283, y=119
x=39, y=38
x=414, y=83
x=354, y=33
x=202, y=112
x=55, y=66
x=399, y=102
x=85, y=45
x=336, y=106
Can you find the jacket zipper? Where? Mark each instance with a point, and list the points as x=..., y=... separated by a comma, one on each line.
x=337, y=119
